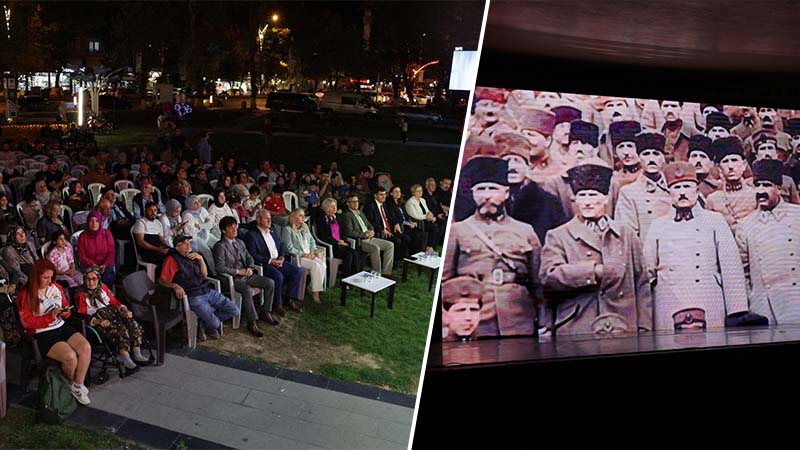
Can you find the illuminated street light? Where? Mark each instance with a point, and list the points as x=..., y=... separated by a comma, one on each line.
x=425, y=65
x=80, y=107
x=275, y=17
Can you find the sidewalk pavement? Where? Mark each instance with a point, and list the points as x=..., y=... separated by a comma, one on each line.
x=244, y=410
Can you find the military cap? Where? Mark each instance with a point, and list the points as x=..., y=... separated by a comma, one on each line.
x=718, y=119
x=765, y=138
x=537, y=120
x=768, y=169
x=566, y=114
x=495, y=95
x=713, y=105
x=624, y=131
x=479, y=145
x=699, y=143
x=650, y=141
x=678, y=171
x=600, y=102
x=463, y=289
x=689, y=318
x=725, y=146
x=512, y=144
x=486, y=169
x=609, y=323
x=590, y=177
x=746, y=319
x=792, y=127
x=585, y=132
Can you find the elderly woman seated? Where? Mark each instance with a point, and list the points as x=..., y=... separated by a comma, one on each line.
x=96, y=301
x=298, y=241
x=199, y=223
x=19, y=254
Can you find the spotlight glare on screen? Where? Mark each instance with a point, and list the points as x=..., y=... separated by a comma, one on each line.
x=464, y=70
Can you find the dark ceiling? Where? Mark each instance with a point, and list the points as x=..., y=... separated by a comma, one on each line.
x=731, y=35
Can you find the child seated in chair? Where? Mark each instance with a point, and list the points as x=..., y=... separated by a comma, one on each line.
x=95, y=300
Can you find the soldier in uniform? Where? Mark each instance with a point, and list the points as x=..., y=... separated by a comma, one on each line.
x=717, y=126
x=768, y=118
x=612, y=109
x=676, y=142
x=748, y=125
x=583, y=140
x=766, y=147
x=559, y=146
x=702, y=162
x=537, y=126
x=769, y=242
x=592, y=267
x=627, y=164
x=646, y=198
x=692, y=261
x=792, y=168
x=501, y=252
x=489, y=103
x=461, y=307
x=735, y=199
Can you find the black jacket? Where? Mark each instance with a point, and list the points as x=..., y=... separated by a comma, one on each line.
x=374, y=216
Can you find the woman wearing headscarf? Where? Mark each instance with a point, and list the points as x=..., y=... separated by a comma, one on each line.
x=218, y=210
x=19, y=254
x=173, y=224
x=95, y=300
x=96, y=248
x=199, y=222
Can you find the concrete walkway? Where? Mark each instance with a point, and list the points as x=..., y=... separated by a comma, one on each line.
x=245, y=410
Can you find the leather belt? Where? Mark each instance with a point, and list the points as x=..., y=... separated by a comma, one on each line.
x=499, y=276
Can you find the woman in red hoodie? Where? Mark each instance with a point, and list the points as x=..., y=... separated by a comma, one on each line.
x=96, y=248
x=42, y=310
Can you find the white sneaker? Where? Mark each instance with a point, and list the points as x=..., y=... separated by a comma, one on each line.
x=81, y=394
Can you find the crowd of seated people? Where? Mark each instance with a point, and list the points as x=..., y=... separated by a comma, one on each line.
x=65, y=229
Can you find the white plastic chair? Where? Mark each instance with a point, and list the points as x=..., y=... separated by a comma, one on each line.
x=66, y=216
x=95, y=191
x=30, y=174
x=237, y=297
x=290, y=200
x=41, y=158
x=123, y=184
x=205, y=200
x=149, y=267
x=135, y=167
x=27, y=161
x=37, y=165
x=127, y=196
x=213, y=183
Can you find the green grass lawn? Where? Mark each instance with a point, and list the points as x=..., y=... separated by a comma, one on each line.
x=340, y=342
x=19, y=430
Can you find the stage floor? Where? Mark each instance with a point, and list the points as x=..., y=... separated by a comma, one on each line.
x=454, y=355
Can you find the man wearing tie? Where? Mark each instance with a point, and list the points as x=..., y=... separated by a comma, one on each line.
x=385, y=228
x=265, y=247
x=356, y=225
x=231, y=257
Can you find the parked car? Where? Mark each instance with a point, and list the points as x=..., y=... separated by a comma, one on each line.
x=416, y=114
x=290, y=101
x=35, y=103
x=347, y=103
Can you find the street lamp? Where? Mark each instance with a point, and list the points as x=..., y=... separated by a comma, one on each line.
x=275, y=17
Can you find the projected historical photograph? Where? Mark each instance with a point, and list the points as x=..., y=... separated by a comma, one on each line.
x=606, y=216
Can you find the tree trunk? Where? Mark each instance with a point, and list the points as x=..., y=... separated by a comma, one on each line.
x=58, y=78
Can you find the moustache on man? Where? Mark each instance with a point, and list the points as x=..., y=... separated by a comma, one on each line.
x=683, y=197
x=762, y=196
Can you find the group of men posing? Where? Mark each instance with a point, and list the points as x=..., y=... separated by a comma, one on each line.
x=566, y=227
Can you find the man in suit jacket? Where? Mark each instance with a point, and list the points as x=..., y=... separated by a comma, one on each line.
x=378, y=214
x=357, y=226
x=265, y=247
x=231, y=257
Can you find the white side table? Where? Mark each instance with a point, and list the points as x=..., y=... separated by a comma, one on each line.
x=365, y=282
x=422, y=259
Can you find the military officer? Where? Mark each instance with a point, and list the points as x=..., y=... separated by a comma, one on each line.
x=537, y=126
x=489, y=103
x=692, y=261
x=592, y=267
x=699, y=158
x=768, y=118
x=501, y=252
x=629, y=167
x=792, y=128
x=748, y=124
x=766, y=147
x=583, y=140
x=646, y=198
x=769, y=242
x=612, y=109
x=735, y=199
x=717, y=126
x=461, y=305
x=676, y=141
x=559, y=146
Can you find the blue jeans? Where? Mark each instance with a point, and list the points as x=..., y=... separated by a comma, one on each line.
x=213, y=309
x=110, y=276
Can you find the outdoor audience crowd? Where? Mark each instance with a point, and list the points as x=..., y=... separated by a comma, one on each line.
x=68, y=212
